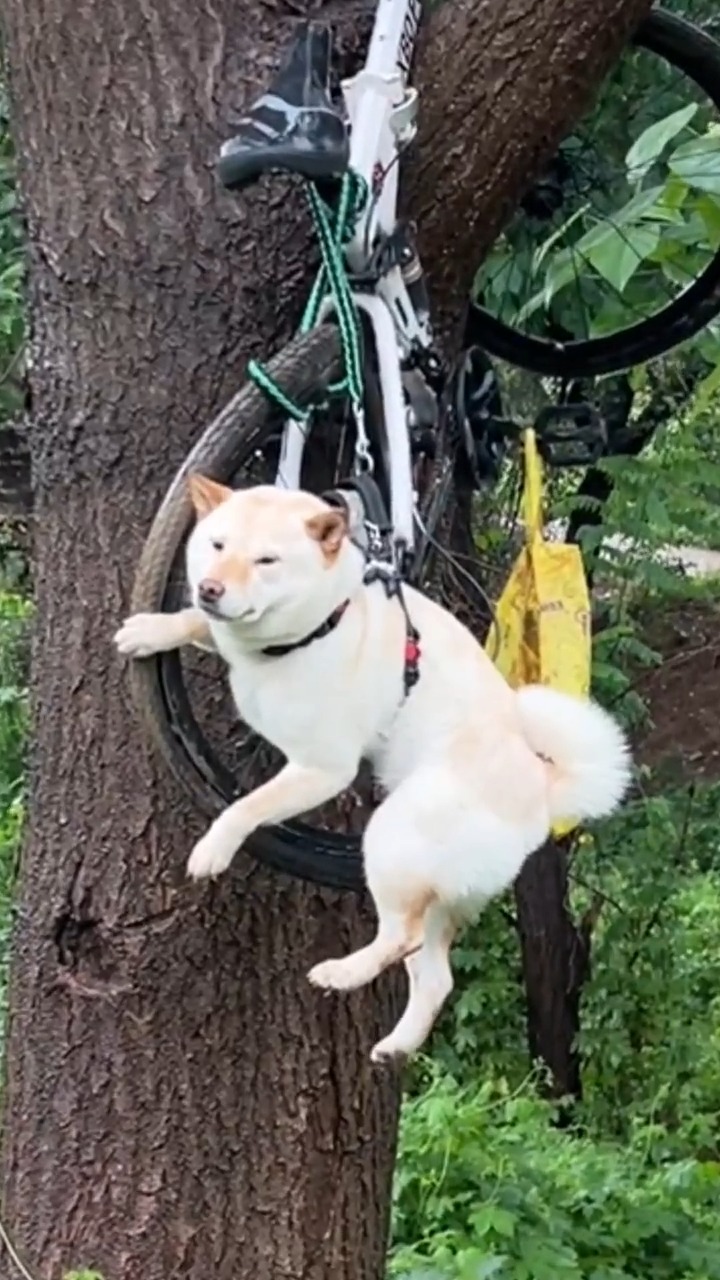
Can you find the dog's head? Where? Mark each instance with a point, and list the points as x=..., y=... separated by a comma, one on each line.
x=262, y=553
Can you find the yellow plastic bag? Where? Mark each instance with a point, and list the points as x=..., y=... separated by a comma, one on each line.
x=541, y=633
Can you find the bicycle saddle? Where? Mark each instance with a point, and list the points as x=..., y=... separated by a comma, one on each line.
x=294, y=126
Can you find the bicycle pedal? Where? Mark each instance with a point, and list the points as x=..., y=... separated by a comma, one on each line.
x=570, y=435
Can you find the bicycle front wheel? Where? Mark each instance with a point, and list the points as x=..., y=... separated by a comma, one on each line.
x=613, y=258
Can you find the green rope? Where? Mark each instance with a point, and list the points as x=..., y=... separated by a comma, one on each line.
x=331, y=278
x=275, y=392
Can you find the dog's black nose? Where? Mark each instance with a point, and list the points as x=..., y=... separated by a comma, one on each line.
x=210, y=590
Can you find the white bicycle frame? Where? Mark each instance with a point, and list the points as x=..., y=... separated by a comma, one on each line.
x=382, y=110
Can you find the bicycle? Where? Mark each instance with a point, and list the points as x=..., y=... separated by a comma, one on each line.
x=365, y=361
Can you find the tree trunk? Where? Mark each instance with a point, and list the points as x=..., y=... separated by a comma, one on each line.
x=178, y=1100
x=555, y=961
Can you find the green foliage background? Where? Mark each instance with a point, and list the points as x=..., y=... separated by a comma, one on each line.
x=627, y=215
x=488, y=1183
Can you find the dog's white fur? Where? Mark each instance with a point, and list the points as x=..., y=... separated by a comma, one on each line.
x=475, y=772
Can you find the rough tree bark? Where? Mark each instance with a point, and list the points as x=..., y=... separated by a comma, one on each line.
x=555, y=962
x=178, y=1101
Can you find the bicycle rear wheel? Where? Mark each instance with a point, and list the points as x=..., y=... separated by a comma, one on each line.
x=244, y=434
x=633, y=285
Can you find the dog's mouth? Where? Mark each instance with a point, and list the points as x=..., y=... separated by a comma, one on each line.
x=218, y=615
x=212, y=610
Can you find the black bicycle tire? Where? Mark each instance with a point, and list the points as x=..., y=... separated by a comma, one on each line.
x=307, y=365
x=697, y=55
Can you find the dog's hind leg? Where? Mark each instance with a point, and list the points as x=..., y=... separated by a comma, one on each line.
x=430, y=983
x=393, y=842
x=400, y=932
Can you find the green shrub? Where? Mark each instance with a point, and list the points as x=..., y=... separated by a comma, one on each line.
x=12, y=271
x=650, y=1038
x=650, y=1016
x=487, y=1186
x=14, y=644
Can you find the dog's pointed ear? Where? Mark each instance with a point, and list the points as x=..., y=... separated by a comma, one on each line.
x=206, y=494
x=328, y=528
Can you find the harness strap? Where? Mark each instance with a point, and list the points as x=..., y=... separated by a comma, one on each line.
x=330, y=623
x=380, y=566
x=411, y=672
x=411, y=669
x=368, y=491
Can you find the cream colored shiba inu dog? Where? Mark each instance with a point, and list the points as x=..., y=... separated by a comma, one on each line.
x=475, y=772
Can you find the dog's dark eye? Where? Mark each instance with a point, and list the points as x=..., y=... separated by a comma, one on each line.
x=218, y=544
x=267, y=560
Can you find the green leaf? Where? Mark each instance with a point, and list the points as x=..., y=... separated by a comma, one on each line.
x=698, y=163
x=656, y=512
x=649, y=146
x=490, y=1266
x=562, y=271
x=709, y=209
x=411, y=1275
x=707, y=390
x=503, y=1222
x=617, y=255
x=491, y=1217
x=647, y=203
x=541, y=253
x=675, y=193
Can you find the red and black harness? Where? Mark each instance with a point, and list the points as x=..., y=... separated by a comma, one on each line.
x=381, y=567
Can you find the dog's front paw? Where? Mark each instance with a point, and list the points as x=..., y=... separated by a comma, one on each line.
x=211, y=856
x=215, y=851
x=144, y=634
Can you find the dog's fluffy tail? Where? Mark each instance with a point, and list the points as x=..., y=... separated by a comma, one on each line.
x=587, y=750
